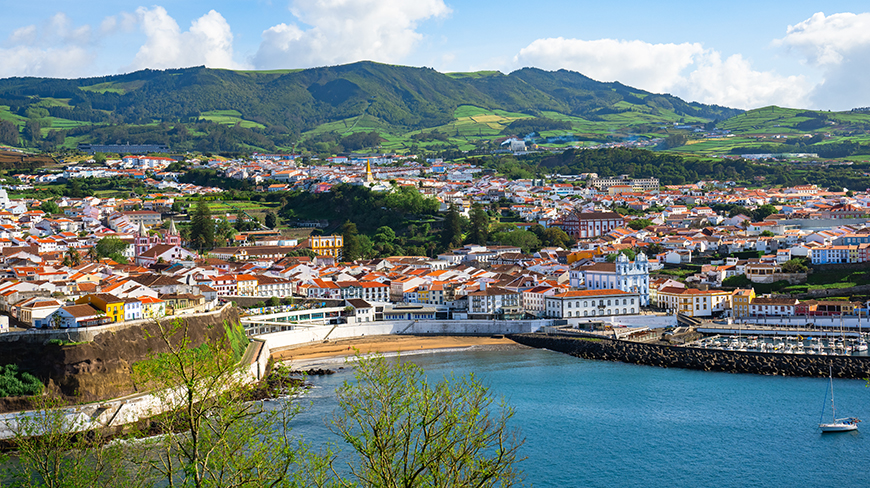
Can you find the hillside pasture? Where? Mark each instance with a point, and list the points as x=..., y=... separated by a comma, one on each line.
x=229, y=117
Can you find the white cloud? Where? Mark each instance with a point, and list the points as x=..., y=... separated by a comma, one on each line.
x=654, y=67
x=60, y=62
x=209, y=41
x=828, y=40
x=54, y=48
x=346, y=30
x=734, y=83
x=123, y=22
x=686, y=70
x=838, y=45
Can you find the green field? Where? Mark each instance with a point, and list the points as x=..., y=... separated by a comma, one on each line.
x=114, y=87
x=229, y=117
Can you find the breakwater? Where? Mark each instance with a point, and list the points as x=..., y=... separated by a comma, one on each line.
x=702, y=359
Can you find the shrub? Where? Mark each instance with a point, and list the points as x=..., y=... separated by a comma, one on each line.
x=18, y=383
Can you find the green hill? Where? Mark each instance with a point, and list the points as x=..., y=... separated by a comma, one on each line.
x=219, y=110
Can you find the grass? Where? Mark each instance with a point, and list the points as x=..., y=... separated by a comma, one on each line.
x=473, y=74
x=229, y=117
x=121, y=88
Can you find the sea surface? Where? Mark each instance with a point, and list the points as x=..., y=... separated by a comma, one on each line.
x=594, y=423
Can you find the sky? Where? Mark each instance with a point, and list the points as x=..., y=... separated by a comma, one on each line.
x=740, y=53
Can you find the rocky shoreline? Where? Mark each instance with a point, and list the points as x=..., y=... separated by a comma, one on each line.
x=667, y=356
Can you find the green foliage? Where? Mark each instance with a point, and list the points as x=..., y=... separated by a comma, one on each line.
x=407, y=432
x=352, y=249
x=638, y=224
x=367, y=209
x=50, y=207
x=535, y=124
x=737, y=281
x=526, y=240
x=15, y=383
x=479, y=225
x=202, y=227
x=763, y=211
x=237, y=339
x=451, y=233
x=110, y=247
x=8, y=133
x=767, y=233
x=629, y=253
x=271, y=220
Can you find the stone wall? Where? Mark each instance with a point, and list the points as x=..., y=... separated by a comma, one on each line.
x=100, y=369
x=702, y=359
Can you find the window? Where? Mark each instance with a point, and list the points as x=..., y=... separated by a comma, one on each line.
x=608, y=302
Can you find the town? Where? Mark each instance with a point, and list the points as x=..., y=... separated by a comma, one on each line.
x=629, y=247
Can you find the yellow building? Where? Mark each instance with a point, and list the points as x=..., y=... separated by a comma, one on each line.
x=740, y=301
x=327, y=245
x=111, y=305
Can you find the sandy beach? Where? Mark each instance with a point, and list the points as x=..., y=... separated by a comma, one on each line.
x=336, y=351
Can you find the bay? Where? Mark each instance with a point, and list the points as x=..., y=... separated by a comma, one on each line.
x=595, y=423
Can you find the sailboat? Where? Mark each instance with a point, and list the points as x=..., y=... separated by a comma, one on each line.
x=836, y=425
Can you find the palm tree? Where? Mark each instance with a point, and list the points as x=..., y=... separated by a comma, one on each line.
x=92, y=253
x=73, y=256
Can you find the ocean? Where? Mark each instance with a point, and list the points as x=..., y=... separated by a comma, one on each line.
x=594, y=423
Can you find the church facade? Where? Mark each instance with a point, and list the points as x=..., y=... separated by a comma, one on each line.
x=625, y=275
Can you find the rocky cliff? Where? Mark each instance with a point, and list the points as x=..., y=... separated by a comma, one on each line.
x=100, y=369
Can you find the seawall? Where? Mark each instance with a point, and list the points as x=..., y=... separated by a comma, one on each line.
x=700, y=359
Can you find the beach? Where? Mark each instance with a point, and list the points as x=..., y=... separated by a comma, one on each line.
x=332, y=352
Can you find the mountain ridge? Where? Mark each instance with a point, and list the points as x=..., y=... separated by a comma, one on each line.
x=292, y=102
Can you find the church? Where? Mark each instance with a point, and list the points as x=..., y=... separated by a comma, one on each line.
x=144, y=242
x=625, y=275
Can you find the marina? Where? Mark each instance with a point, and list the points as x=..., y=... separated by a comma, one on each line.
x=798, y=343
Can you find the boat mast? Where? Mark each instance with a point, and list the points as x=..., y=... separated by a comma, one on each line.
x=833, y=409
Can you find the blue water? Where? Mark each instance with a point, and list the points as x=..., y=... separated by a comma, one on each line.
x=591, y=423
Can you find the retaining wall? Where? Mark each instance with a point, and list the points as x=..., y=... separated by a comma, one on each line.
x=304, y=335
x=701, y=359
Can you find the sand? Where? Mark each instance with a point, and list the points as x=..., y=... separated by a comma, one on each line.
x=336, y=350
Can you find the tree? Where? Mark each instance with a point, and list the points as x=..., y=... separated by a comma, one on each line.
x=629, y=253
x=524, y=239
x=271, y=220
x=224, y=231
x=32, y=131
x=763, y=211
x=385, y=234
x=110, y=247
x=273, y=301
x=451, y=234
x=226, y=440
x=794, y=265
x=202, y=227
x=767, y=233
x=100, y=158
x=177, y=206
x=50, y=207
x=352, y=249
x=408, y=432
x=553, y=237
x=479, y=225
x=52, y=453
x=638, y=224
x=73, y=257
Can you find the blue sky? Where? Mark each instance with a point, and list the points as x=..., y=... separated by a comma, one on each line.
x=739, y=53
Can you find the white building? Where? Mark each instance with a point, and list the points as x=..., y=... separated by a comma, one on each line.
x=625, y=275
x=591, y=303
